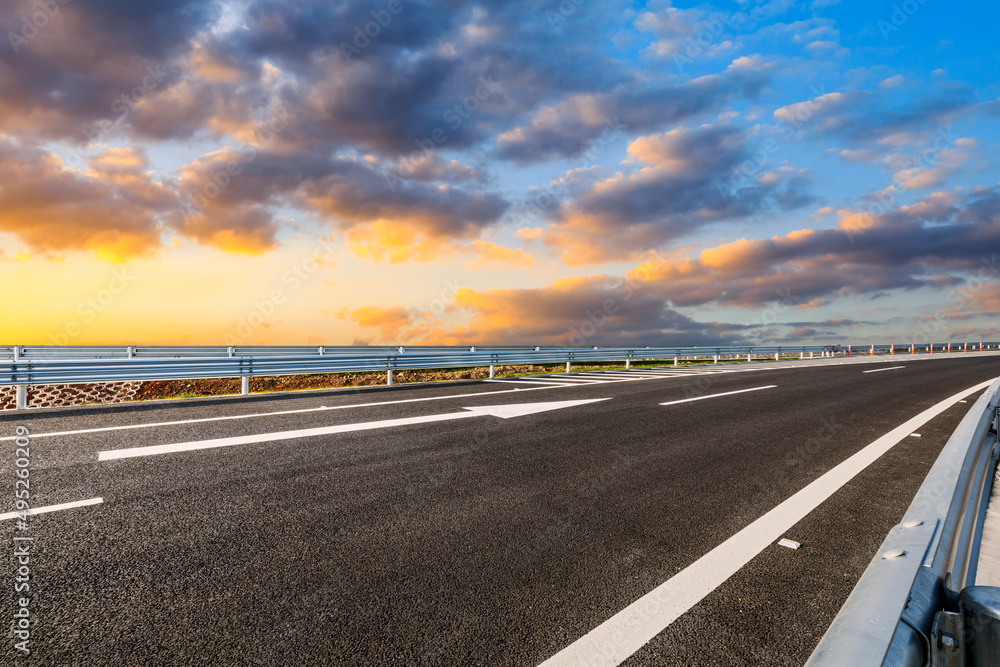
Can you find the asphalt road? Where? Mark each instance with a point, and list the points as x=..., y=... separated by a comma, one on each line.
x=460, y=537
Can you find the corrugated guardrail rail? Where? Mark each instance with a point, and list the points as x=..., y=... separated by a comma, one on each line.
x=36, y=365
x=917, y=603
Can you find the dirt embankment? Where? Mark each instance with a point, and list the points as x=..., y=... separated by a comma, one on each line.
x=158, y=389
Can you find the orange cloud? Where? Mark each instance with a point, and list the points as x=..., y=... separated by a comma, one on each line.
x=111, y=208
x=490, y=252
x=389, y=321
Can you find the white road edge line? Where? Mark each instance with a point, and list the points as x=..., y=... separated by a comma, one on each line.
x=52, y=508
x=879, y=370
x=612, y=642
x=726, y=393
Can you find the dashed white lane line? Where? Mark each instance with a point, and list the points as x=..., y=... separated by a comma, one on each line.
x=612, y=642
x=725, y=393
x=879, y=370
x=52, y=508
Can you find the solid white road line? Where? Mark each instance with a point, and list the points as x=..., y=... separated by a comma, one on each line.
x=502, y=411
x=546, y=385
x=726, y=393
x=612, y=642
x=879, y=370
x=52, y=508
x=279, y=412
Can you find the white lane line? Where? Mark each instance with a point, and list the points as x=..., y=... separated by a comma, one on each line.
x=502, y=411
x=879, y=370
x=52, y=508
x=725, y=393
x=277, y=413
x=612, y=642
x=578, y=381
x=545, y=385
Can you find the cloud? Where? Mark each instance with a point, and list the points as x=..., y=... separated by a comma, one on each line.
x=687, y=185
x=904, y=248
x=868, y=116
x=87, y=58
x=231, y=196
x=112, y=208
x=586, y=310
x=493, y=253
x=397, y=221
x=569, y=127
x=390, y=322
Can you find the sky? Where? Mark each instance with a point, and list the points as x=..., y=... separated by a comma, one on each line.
x=571, y=172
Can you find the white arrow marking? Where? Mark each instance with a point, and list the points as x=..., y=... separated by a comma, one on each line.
x=725, y=393
x=502, y=411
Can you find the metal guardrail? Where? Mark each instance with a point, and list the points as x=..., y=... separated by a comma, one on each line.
x=917, y=603
x=40, y=352
x=35, y=365
x=913, y=348
x=31, y=352
x=36, y=368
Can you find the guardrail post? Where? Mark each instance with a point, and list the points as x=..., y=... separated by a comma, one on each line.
x=569, y=365
x=17, y=353
x=675, y=361
x=628, y=363
x=231, y=351
x=245, y=385
x=322, y=351
x=802, y=354
x=129, y=352
x=492, y=371
x=388, y=377
x=776, y=356
x=21, y=397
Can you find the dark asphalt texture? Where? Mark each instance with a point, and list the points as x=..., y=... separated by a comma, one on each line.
x=481, y=541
